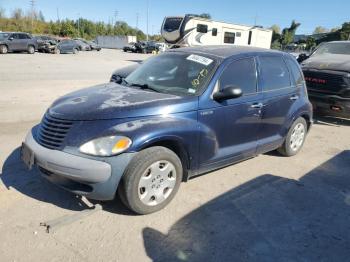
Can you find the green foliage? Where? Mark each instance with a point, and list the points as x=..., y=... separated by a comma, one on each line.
x=64, y=28
x=288, y=34
x=320, y=30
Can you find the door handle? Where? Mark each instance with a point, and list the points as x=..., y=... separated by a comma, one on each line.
x=294, y=97
x=257, y=105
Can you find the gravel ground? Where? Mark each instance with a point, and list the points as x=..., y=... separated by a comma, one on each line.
x=267, y=208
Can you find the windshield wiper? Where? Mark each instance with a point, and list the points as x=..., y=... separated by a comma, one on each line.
x=144, y=86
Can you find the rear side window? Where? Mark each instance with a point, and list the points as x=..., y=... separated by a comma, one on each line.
x=229, y=38
x=274, y=73
x=23, y=36
x=295, y=71
x=242, y=74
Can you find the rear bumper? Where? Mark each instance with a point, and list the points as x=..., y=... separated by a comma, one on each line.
x=94, y=178
x=330, y=105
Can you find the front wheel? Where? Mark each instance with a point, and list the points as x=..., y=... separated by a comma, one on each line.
x=295, y=138
x=75, y=51
x=151, y=180
x=3, y=49
x=31, y=49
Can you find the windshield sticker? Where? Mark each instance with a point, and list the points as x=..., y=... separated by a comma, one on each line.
x=200, y=59
x=191, y=90
x=197, y=81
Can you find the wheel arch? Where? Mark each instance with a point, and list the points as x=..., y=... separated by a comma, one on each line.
x=174, y=144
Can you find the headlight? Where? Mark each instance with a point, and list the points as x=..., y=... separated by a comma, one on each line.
x=106, y=146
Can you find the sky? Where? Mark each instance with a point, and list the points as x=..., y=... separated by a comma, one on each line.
x=310, y=14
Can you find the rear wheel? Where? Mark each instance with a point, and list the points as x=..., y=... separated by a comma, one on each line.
x=151, y=180
x=295, y=138
x=3, y=49
x=56, y=51
x=31, y=49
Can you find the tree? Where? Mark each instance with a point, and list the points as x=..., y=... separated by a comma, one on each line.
x=345, y=31
x=41, y=16
x=276, y=29
x=289, y=33
x=17, y=14
x=320, y=30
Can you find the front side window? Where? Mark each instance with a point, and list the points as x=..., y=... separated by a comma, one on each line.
x=174, y=73
x=274, y=73
x=229, y=38
x=241, y=74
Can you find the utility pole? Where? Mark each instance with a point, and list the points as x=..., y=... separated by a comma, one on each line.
x=58, y=14
x=32, y=5
x=137, y=20
x=114, y=19
x=78, y=24
x=147, y=17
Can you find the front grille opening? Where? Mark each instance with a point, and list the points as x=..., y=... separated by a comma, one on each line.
x=52, y=131
x=66, y=183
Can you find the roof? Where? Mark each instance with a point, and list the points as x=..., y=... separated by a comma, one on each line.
x=225, y=51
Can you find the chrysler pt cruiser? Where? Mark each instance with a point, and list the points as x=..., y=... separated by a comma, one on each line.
x=178, y=115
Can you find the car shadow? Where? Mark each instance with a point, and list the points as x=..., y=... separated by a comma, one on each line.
x=135, y=61
x=15, y=175
x=270, y=218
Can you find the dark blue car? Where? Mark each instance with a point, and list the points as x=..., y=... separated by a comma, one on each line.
x=178, y=115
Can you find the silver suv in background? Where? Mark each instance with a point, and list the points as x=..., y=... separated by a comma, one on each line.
x=17, y=42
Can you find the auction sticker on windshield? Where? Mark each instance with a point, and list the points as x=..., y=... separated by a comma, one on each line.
x=200, y=59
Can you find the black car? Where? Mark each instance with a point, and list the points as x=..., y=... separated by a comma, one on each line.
x=327, y=74
x=130, y=47
x=46, y=44
x=146, y=47
x=17, y=42
x=68, y=46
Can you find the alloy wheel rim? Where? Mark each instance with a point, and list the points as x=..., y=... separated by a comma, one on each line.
x=297, y=137
x=157, y=182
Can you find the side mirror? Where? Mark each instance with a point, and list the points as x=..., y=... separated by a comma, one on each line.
x=302, y=57
x=229, y=92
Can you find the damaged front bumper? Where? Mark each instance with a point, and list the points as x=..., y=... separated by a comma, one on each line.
x=95, y=178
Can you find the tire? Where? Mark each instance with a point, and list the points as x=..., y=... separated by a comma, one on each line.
x=145, y=191
x=57, y=51
x=75, y=51
x=31, y=49
x=295, y=138
x=3, y=49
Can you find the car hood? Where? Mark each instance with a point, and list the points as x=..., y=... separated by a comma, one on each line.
x=110, y=101
x=328, y=62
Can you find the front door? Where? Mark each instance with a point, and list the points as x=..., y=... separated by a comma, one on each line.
x=230, y=128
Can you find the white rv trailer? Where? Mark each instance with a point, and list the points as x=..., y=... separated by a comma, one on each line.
x=181, y=31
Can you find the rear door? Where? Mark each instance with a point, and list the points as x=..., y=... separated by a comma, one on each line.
x=280, y=93
x=230, y=128
x=23, y=40
x=15, y=42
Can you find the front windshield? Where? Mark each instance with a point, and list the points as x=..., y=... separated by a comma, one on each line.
x=4, y=35
x=174, y=73
x=333, y=48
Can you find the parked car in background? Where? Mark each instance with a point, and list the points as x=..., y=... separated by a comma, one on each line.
x=178, y=115
x=327, y=75
x=17, y=42
x=130, y=47
x=46, y=44
x=162, y=47
x=68, y=46
x=145, y=47
x=94, y=45
x=83, y=46
x=120, y=74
